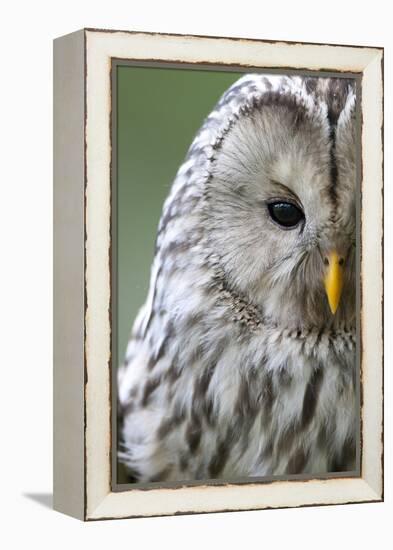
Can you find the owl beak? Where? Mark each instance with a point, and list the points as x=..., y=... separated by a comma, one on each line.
x=334, y=279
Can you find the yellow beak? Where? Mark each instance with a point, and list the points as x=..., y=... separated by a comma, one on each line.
x=334, y=280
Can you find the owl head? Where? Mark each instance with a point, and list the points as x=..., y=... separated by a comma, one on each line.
x=279, y=197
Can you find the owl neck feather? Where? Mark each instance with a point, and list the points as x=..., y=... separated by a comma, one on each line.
x=252, y=317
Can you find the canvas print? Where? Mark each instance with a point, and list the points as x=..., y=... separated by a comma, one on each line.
x=236, y=275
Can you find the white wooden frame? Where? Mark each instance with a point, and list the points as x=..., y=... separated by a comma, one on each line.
x=82, y=336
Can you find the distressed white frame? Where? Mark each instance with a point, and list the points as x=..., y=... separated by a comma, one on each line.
x=99, y=501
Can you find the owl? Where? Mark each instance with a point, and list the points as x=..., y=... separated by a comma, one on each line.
x=241, y=363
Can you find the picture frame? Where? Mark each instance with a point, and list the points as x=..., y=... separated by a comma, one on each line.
x=85, y=65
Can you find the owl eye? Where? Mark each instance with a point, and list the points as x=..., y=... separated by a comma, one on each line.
x=285, y=214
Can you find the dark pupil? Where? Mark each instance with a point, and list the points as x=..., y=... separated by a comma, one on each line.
x=285, y=214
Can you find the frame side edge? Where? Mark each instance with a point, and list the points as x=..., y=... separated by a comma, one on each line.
x=373, y=333
x=68, y=254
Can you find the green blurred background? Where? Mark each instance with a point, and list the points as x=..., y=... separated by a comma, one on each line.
x=159, y=110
